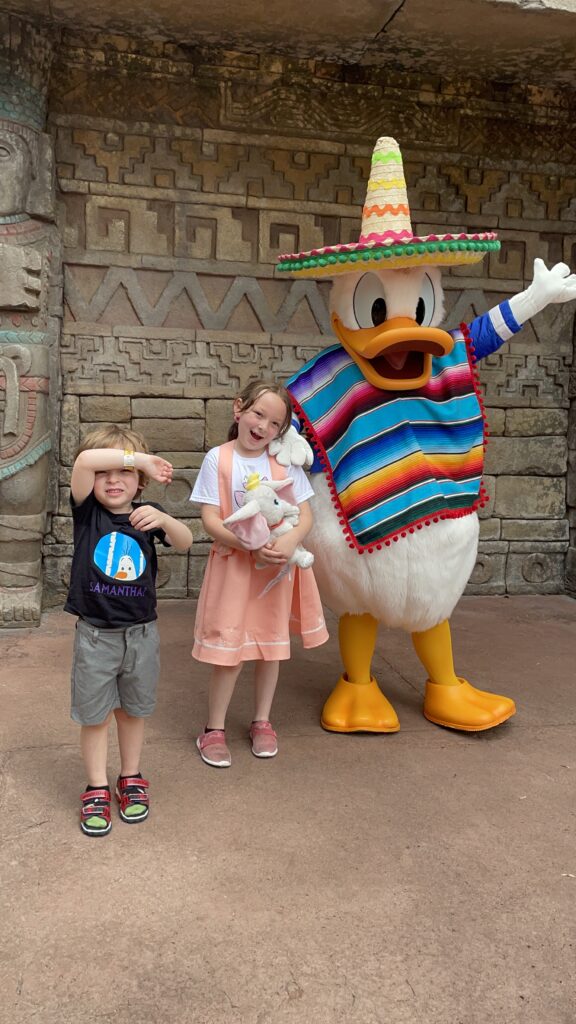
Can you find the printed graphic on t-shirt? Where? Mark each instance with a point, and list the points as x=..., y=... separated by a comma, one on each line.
x=119, y=557
x=240, y=496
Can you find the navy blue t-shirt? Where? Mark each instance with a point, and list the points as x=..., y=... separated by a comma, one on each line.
x=113, y=575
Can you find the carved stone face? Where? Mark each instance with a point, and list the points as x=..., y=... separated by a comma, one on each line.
x=15, y=173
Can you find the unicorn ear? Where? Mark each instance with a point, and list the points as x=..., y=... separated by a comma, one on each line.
x=279, y=485
x=247, y=511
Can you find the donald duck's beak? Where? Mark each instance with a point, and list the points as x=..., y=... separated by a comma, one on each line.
x=396, y=355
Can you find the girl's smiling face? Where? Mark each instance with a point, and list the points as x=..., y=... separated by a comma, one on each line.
x=259, y=424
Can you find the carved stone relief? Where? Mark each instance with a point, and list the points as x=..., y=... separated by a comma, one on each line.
x=29, y=300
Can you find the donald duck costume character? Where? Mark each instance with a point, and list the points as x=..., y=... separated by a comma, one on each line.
x=394, y=414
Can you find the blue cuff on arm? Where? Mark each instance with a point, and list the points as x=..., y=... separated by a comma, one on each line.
x=488, y=338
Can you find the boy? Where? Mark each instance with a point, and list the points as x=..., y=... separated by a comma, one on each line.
x=113, y=591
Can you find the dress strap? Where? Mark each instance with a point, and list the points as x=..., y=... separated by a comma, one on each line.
x=225, y=458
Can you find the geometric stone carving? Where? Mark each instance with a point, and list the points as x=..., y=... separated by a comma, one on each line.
x=186, y=186
x=154, y=310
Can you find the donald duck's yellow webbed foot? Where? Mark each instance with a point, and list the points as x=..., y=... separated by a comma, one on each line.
x=358, y=707
x=450, y=700
x=464, y=707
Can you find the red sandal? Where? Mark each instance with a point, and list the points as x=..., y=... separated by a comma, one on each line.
x=95, y=817
x=132, y=795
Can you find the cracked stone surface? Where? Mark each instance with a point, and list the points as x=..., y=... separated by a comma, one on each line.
x=422, y=878
x=532, y=40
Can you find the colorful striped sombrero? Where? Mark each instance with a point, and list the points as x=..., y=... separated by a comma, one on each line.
x=386, y=241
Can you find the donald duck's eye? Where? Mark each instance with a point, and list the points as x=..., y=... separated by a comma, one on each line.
x=426, y=303
x=369, y=301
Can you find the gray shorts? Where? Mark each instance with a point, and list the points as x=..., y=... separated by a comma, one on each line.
x=114, y=668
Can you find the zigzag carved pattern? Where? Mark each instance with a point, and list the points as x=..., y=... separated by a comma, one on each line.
x=155, y=315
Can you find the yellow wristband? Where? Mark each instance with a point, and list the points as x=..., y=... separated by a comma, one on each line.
x=129, y=460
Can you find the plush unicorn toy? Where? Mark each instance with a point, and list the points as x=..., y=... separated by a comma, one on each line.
x=265, y=515
x=395, y=417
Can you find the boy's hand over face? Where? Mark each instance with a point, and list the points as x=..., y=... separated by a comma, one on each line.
x=158, y=469
x=145, y=517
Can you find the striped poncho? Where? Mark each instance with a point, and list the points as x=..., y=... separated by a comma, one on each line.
x=395, y=460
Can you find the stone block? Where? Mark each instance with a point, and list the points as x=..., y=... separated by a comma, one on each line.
x=532, y=422
x=571, y=434
x=535, y=529
x=196, y=569
x=199, y=534
x=219, y=416
x=172, y=580
x=105, y=409
x=69, y=429
x=496, y=420
x=530, y=497
x=488, y=576
x=183, y=460
x=168, y=408
x=175, y=499
x=570, y=577
x=571, y=480
x=542, y=456
x=490, y=529
x=179, y=435
x=62, y=529
x=547, y=547
x=537, y=572
x=56, y=577
x=64, y=501
x=492, y=547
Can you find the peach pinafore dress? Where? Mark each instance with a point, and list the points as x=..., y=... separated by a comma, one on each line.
x=245, y=613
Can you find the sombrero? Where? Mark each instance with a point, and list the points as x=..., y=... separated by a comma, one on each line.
x=386, y=241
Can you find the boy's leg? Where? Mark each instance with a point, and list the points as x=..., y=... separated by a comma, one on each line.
x=131, y=788
x=137, y=682
x=94, y=748
x=130, y=741
x=95, y=809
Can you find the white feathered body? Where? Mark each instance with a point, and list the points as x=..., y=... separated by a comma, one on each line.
x=413, y=585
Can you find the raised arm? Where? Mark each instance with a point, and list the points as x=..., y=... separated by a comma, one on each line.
x=491, y=330
x=98, y=460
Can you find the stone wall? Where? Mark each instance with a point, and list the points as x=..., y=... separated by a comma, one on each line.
x=183, y=174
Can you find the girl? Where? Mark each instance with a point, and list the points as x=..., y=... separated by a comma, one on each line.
x=244, y=612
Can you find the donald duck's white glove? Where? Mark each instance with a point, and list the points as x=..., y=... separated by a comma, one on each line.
x=555, y=285
x=291, y=449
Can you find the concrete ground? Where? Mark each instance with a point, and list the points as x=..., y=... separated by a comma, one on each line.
x=427, y=877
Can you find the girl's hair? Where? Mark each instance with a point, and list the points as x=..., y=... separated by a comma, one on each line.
x=115, y=436
x=252, y=392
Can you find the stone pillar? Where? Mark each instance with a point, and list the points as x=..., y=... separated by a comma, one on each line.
x=30, y=317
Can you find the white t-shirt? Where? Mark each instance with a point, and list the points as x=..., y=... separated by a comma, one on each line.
x=205, y=491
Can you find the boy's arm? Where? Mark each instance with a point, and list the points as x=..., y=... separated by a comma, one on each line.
x=97, y=460
x=177, y=533
x=147, y=517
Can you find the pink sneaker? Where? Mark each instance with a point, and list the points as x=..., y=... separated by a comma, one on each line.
x=213, y=749
x=264, y=743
